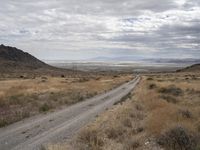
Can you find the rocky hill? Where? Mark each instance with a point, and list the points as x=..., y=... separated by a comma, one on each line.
x=13, y=58
x=15, y=62
x=193, y=68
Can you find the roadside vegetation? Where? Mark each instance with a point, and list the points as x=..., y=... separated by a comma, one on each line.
x=21, y=98
x=163, y=112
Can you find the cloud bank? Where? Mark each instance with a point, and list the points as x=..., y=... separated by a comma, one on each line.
x=83, y=29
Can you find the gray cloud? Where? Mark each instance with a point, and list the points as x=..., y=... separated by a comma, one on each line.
x=82, y=29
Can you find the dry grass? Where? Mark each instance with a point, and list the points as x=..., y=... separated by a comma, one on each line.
x=42, y=94
x=164, y=113
x=172, y=108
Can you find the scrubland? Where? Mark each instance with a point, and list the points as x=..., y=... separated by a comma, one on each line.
x=24, y=97
x=162, y=113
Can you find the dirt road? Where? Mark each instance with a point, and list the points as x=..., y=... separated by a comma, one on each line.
x=32, y=133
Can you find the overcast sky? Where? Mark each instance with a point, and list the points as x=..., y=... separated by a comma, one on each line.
x=83, y=29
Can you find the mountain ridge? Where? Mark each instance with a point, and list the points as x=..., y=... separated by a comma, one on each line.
x=192, y=68
x=15, y=62
x=13, y=57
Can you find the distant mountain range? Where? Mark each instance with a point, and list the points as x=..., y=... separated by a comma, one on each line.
x=18, y=61
x=149, y=60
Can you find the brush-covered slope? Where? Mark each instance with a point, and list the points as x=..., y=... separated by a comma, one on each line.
x=15, y=62
x=193, y=68
x=12, y=58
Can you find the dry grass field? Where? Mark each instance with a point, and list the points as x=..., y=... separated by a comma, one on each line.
x=162, y=113
x=21, y=98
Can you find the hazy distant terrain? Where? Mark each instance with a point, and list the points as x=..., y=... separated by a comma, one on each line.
x=133, y=66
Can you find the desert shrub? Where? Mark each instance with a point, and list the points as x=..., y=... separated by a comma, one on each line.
x=171, y=90
x=3, y=122
x=76, y=97
x=160, y=80
x=90, y=138
x=198, y=126
x=169, y=99
x=45, y=107
x=139, y=130
x=44, y=78
x=138, y=107
x=83, y=80
x=178, y=138
x=62, y=76
x=152, y=86
x=185, y=113
x=16, y=99
x=89, y=95
x=97, y=78
x=2, y=103
x=21, y=77
x=115, y=132
x=137, y=115
x=131, y=144
x=115, y=76
x=127, y=122
x=14, y=117
x=80, y=98
x=192, y=91
x=149, y=79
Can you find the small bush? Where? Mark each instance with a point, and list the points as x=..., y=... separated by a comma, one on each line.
x=62, y=76
x=45, y=107
x=3, y=123
x=77, y=97
x=16, y=99
x=131, y=144
x=44, y=78
x=21, y=77
x=2, y=103
x=14, y=117
x=169, y=99
x=115, y=132
x=138, y=115
x=97, y=78
x=152, y=86
x=149, y=79
x=91, y=138
x=192, y=91
x=139, y=129
x=138, y=107
x=127, y=123
x=178, y=138
x=185, y=113
x=171, y=90
x=83, y=80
